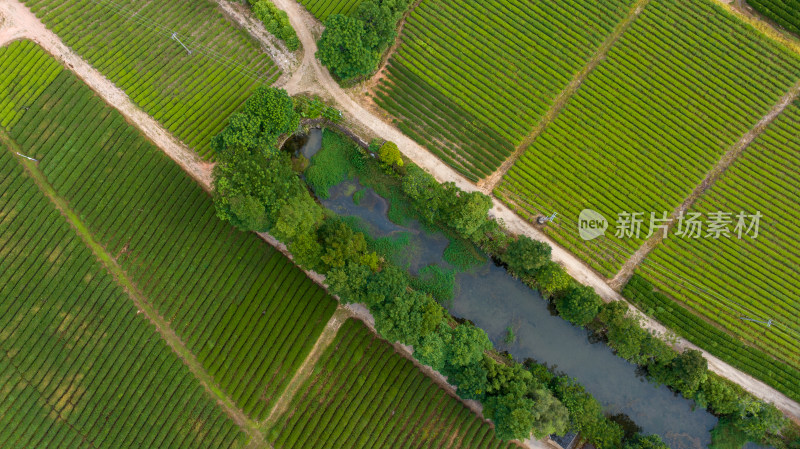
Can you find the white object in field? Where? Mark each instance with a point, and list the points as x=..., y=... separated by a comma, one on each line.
x=175, y=37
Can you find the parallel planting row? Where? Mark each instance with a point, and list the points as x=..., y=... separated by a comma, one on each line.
x=649, y=123
x=130, y=43
x=245, y=310
x=501, y=63
x=785, y=13
x=322, y=9
x=364, y=395
x=726, y=279
x=78, y=366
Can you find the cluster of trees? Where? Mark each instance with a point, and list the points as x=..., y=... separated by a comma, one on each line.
x=256, y=189
x=446, y=206
x=276, y=22
x=254, y=185
x=352, y=45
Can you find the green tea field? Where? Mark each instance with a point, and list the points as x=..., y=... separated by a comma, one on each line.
x=79, y=367
x=726, y=279
x=785, y=13
x=242, y=307
x=649, y=123
x=363, y=395
x=473, y=78
x=131, y=43
x=322, y=9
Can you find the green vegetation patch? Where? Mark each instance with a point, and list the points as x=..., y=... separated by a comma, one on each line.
x=131, y=43
x=244, y=309
x=322, y=9
x=473, y=77
x=723, y=345
x=364, y=395
x=785, y=13
x=649, y=123
x=79, y=365
x=726, y=279
x=463, y=255
x=331, y=165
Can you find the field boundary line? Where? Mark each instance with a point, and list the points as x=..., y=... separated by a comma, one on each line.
x=257, y=440
x=560, y=101
x=728, y=158
x=277, y=51
x=762, y=24
x=305, y=370
x=21, y=17
x=370, y=83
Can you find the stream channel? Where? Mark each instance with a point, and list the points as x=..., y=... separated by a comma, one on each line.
x=494, y=300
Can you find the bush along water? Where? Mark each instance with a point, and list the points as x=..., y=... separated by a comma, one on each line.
x=256, y=189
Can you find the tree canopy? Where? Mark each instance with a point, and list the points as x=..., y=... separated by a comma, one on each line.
x=351, y=46
x=343, y=48
x=526, y=256
x=578, y=305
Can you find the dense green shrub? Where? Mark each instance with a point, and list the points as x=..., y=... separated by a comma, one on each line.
x=390, y=155
x=525, y=256
x=578, y=304
x=276, y=21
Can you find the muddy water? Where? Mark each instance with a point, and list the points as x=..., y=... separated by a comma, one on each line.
x=493, y=300
x=305, y=144
x=552, y=340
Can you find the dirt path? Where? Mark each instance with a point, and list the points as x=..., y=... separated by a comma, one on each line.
x=274, y=47
x=167, y=334
x=747, y=15
x=490, y=182
x=307, y=368
x=626, y=272
x=312, y=77
x=315, y=78
x=25, y=25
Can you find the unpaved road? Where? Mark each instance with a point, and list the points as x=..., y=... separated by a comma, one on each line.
x=275, y=48
x=25, y=25
x=315, y=78
x=312, y=77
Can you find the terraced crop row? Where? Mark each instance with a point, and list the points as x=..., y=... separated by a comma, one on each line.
x=78, y=366
x=245, y=310
x=130, y=43
x=447, y=130
x=650, y=122
x=728, y=279
x=364, y=395
x=322, y=9
x=701, y=332
x=785, y=13
x=501, y=62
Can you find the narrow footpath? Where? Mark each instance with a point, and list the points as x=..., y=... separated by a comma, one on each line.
x=311, y=77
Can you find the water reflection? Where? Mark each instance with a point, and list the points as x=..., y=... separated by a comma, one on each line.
x=493, y=300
